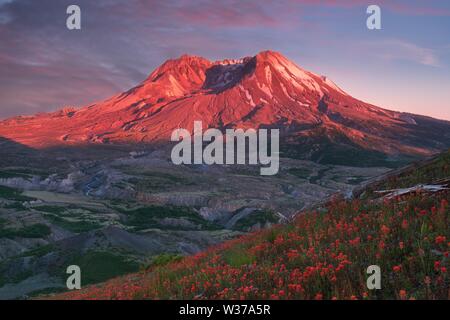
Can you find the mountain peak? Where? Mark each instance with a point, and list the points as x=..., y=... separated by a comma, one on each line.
x=267, y=54
x=181, y=65
x=264, y=90
x=188, y=58
x=186, y=64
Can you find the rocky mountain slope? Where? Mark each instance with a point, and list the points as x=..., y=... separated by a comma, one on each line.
x=319, y=121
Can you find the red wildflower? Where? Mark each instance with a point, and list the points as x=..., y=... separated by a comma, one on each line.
x=402, y=294
x=437, y=265
x=355, y=241
x=385, y=230
x=405, y=224
x=440, y=239
x=279, y=240
x=292, y=254
x=397, y=268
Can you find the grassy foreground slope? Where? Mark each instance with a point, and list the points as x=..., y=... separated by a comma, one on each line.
x=321, y=255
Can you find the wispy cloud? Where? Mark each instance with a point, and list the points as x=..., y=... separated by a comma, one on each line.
x=396, y=49
x=404, y=7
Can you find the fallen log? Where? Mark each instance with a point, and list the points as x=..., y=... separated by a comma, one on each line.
x=418, y=188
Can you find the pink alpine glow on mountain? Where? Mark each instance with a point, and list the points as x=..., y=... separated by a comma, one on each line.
x=267, y=90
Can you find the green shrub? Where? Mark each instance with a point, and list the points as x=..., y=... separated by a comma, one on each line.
x=73, y=226
x=98, y=266
x=149, y=217
x=165, y=258
x=258, y=216
x=32, y=231
x=13, y=194
x=236, y=257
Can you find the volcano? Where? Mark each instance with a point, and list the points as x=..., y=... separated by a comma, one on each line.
x=317, y=120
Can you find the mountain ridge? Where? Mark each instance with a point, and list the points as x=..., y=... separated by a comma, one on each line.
x=265, y=90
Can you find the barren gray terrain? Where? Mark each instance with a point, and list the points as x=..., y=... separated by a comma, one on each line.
x=121, y=213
